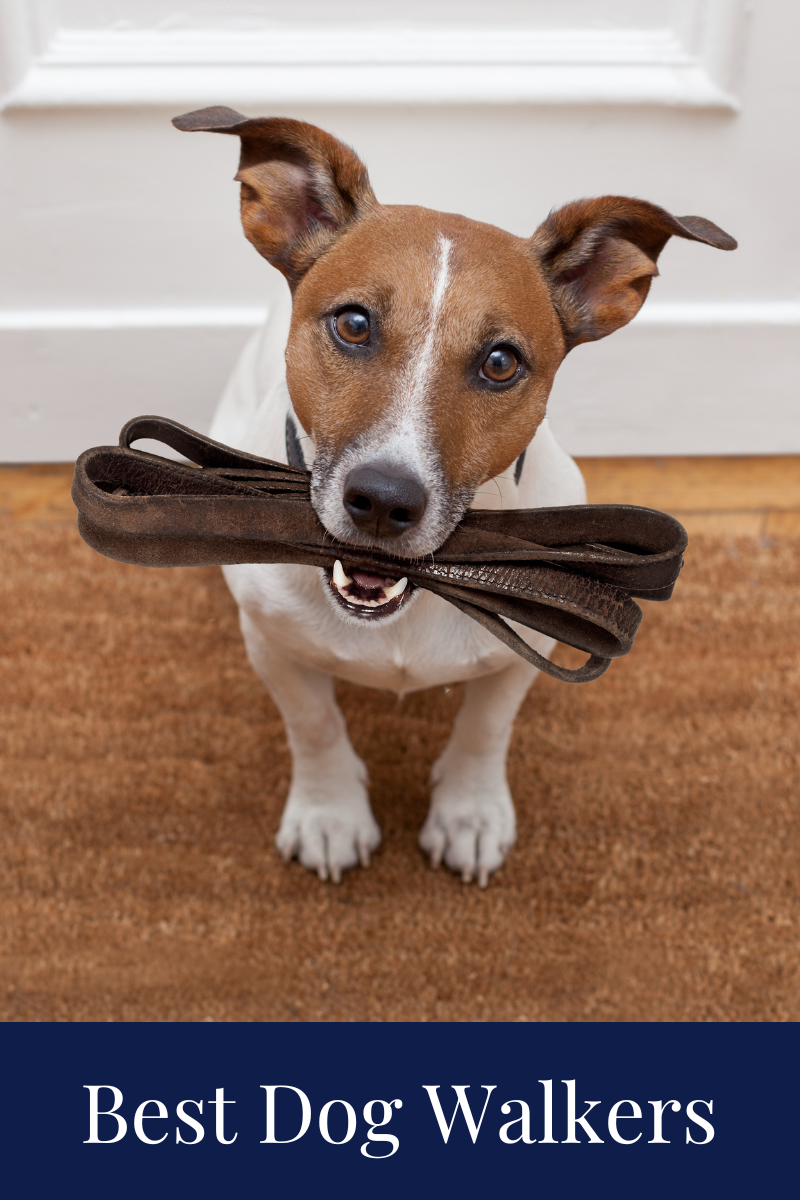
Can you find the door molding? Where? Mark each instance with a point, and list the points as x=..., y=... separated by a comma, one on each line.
x=693, y=60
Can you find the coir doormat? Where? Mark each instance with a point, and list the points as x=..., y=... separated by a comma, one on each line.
x=656, y=874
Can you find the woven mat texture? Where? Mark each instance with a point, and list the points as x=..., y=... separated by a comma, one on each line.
x=656, y=874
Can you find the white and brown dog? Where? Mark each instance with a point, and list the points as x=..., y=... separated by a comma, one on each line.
x=412, y=365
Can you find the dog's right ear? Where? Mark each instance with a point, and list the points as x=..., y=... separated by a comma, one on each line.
x=300, y=186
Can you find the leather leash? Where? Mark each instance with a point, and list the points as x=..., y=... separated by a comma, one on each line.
x=568, y=572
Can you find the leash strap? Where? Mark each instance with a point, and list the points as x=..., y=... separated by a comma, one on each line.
x=569, y=572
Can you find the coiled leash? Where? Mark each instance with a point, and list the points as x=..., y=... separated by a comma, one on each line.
x=568, y=572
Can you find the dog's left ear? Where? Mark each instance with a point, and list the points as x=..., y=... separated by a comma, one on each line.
x=599, y=257
x=301, y=187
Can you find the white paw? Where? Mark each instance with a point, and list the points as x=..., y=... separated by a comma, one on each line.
x=329, y=830
x=471, y=824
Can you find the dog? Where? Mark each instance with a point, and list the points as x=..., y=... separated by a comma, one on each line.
x=408, y=368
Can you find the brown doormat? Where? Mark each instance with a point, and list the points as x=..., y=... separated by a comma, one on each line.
x=656, y=875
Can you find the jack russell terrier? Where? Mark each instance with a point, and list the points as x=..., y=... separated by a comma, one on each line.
x=410, y=373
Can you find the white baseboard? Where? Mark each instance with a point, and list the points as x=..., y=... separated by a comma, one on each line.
x=68, y=387
x=694, y=378
x=666, y=388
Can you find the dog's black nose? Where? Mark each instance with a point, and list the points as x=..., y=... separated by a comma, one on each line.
x=382, y=503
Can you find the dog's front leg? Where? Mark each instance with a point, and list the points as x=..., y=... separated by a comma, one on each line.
x=327, y=822
x=471, y=824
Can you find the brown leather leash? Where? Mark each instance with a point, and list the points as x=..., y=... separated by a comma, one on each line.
x=568, y=572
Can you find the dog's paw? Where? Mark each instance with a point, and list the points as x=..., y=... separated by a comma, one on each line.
x=328, y=835
x=471, y=825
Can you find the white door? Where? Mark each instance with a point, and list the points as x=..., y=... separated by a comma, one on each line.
x=127, y=286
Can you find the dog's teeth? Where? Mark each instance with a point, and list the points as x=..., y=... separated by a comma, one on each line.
x=339, y=578
x=396, y=589
x=342, y=581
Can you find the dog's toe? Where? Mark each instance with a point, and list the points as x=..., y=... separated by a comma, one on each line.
x=364, y=851
x=433, y=840
x=470, y=829
x=461, y=854
x=328, y=838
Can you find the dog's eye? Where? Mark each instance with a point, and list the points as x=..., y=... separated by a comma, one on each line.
x=352, y=325
x=500, y=364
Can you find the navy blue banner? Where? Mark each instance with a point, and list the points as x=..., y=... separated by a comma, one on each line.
x=397, y=1110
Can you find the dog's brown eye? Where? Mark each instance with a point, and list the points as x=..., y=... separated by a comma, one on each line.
x=353, y=326
x=500, y=365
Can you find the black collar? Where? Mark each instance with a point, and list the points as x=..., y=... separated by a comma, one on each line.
x=294, y=451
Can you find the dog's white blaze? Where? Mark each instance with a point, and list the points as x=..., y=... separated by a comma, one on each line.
x=414, y=387
x=404, y=437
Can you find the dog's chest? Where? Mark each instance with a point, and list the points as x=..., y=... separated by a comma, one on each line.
x=430, y=644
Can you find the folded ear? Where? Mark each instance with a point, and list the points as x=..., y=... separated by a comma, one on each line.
x=300, y=186
x=599, y=257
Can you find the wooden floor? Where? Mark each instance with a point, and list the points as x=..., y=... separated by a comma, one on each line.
x=37, y=493
x=756, y=496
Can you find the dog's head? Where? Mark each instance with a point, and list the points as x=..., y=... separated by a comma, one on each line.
x=423, y=345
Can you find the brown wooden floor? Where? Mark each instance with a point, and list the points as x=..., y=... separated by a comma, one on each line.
x=755, y=496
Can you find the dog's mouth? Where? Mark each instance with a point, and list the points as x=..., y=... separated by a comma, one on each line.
x=365, y=595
